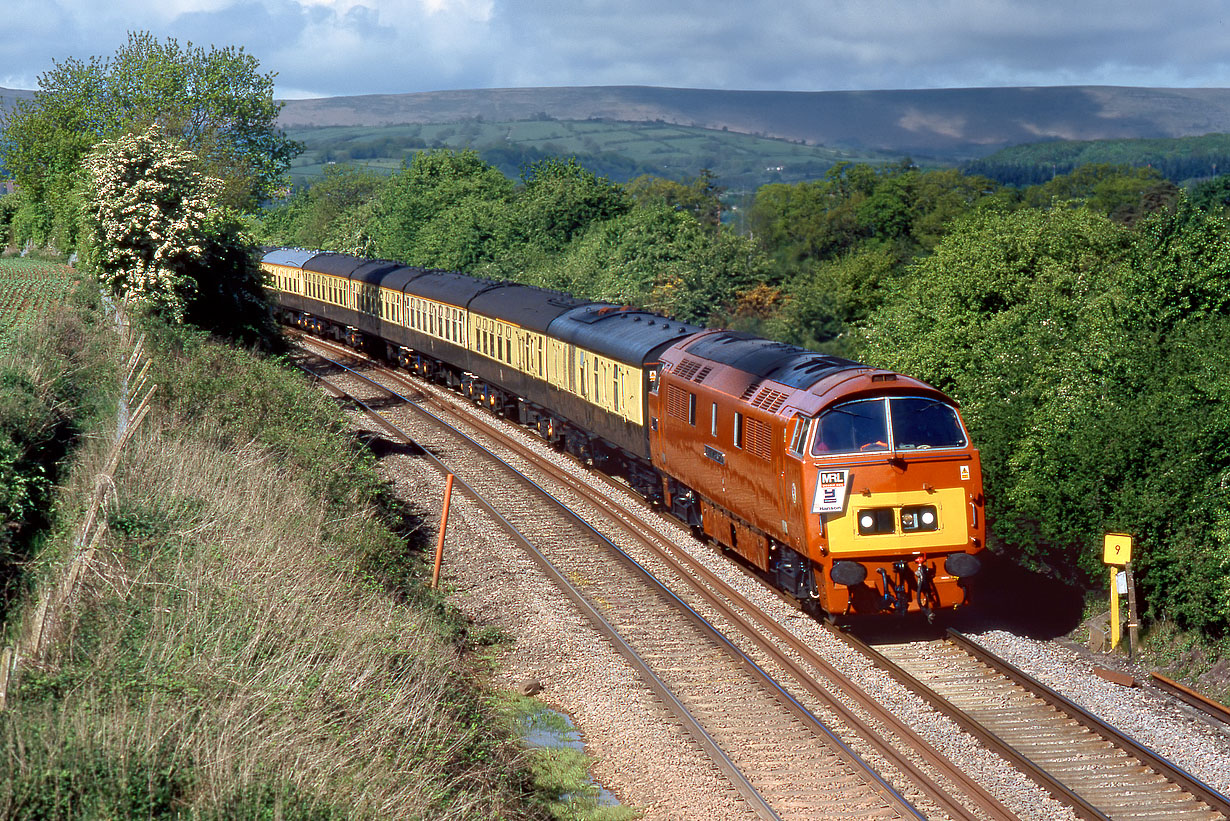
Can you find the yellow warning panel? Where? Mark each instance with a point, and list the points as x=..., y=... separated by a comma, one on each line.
x=1117, y=549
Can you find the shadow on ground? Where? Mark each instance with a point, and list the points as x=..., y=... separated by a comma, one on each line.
x=1003, y=596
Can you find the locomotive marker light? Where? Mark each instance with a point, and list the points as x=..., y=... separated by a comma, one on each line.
x=1117, y=553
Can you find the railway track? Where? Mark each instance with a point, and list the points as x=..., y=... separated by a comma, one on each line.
x=1126, y=790
x=780, y=757
x=1081, y=760
x=1215, y=712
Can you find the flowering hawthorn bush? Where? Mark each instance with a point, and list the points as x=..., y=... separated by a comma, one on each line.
x=148, y=208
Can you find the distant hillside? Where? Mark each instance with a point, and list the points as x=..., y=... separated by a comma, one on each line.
x=1179, y=160
x=947, y=124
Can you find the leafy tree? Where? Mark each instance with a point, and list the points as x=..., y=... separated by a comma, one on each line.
x=147, y=210
x=700, y=196
x=659, y=258
x=435, y=183
x=331, y=213
x=561, y=199
x=1212, y=195
x=215, y=101
x=1091, y=362
x=1121, y=192
x=156, y=237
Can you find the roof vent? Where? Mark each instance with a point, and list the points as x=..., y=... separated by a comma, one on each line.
x=884, y=377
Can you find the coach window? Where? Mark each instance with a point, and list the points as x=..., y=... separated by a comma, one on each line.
x=692, y=409
x=738, y=430
x=713, y=421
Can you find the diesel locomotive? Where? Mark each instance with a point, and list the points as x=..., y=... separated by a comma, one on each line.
x=854, y=490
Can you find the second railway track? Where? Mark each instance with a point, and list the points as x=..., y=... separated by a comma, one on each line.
x=789, y=764
x=937, y=786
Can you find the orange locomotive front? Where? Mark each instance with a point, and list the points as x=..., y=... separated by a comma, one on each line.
x=855, y=490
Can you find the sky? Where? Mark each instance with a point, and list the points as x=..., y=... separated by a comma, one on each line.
x=325, y=48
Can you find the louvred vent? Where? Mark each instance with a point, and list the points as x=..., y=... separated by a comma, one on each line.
x=769, y=399
x=701, y=374
x=676, y=403
x=759, y=438
x=687, y=369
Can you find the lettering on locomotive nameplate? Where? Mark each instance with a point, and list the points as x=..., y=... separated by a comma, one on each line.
x=832, y=488
x=715, y=455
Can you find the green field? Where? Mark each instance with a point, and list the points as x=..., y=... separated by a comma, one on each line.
x=28, y=288
x=619, y=150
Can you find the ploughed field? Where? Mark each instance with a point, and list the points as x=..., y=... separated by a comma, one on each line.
x=28, y=289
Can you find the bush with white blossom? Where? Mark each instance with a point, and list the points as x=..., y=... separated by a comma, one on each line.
x=148, y=209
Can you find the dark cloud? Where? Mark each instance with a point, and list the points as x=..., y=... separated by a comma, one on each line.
x=329, y=47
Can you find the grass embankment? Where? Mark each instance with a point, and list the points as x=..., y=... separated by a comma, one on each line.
x=252, y=638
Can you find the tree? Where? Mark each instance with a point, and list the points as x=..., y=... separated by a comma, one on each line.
x=701, y=196
x=156, y=237
x=216, y=102
x=561, y=199
x=423, y=193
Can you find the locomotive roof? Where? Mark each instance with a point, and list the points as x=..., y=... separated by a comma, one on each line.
x=290, y=257
x=340, y=265
x=626, y=335
x=448, y=287
x=790, y=365
x=529, y=307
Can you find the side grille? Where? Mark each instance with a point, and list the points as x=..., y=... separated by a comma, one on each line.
x=676, y=403
x=759, y=438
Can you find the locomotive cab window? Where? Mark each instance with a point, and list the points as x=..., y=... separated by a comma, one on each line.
x=881, y=425
x=920, y=424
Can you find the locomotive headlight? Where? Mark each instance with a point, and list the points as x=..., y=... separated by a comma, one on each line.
x=919, y=518
x=875, y=521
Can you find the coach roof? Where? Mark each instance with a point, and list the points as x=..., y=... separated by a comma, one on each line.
x=290, y=257
x=625, y=335
x=524, y=305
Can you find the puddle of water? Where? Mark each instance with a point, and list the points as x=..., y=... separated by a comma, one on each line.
x=549, y=729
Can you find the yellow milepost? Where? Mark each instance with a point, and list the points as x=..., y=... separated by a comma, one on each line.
x=1115, y=630
x=1117, y=549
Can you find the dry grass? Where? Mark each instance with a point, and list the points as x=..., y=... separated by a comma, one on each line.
x=230, y=657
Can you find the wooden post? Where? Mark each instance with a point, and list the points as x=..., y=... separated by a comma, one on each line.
x=1133, y=617
x=448, y=494
x=1114, y=608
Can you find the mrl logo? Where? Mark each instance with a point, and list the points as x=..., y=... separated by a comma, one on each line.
x=831, y=492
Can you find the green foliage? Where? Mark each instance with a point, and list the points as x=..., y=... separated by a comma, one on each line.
x=413, y=220
x=701, y=196
x=157, y=238
x=1177, y=159
x=561, y=199
x=1123, y=193
x=54, y=384
x=147, y=213
x=1091, y=363
x=330, y=214
x=215, y=101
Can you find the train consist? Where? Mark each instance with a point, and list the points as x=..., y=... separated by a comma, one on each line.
x=854, y=490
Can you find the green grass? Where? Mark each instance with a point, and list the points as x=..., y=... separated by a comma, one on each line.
x=619, y=150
